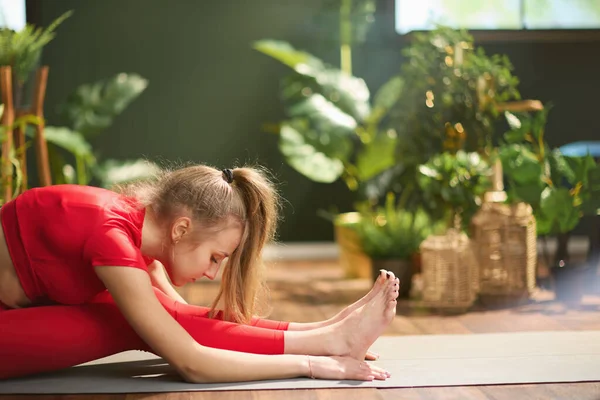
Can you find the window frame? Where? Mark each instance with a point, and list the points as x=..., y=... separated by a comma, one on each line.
x=388, y=12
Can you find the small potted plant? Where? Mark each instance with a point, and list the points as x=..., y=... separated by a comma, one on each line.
x=452, y=185
x=390, y=235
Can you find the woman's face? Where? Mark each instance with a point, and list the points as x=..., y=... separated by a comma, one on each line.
x=191, y=260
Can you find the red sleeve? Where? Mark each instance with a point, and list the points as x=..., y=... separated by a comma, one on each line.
x=113, y=246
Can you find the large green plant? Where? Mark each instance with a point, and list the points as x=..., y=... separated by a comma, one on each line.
x=332, y=131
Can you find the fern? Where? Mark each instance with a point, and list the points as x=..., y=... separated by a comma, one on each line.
x=22, y=50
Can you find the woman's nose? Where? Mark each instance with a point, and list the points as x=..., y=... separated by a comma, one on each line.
x=212, y=272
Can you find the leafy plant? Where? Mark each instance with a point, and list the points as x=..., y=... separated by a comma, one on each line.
x=87, y=112
x=391, y=232
x=93, y=107
x=332, y=130
x=22, y=50
x=452, y=184
x=449, y=101
x=560, y=189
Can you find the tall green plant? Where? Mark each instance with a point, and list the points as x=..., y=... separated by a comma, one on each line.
x=332, y=131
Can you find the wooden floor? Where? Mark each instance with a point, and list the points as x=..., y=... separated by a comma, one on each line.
x=305, y=292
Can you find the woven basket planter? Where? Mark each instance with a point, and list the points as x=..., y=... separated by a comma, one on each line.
x=504, y=238
x=449, y=272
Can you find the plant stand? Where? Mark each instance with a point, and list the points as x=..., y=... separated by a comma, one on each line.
x=15, y=138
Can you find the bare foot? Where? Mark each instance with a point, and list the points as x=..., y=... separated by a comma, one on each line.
x=363, y=326
x=377, y=286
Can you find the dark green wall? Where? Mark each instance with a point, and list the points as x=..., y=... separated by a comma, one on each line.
x=209, y=92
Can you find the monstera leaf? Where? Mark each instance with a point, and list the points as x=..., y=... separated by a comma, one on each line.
x=308, y=156
x=93, y=107
x=348, y=93
x=324, y=116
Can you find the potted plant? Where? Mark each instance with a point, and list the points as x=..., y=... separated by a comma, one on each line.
x=452, y=185
x=561, y=189
x=22, y=50
x=391, y=235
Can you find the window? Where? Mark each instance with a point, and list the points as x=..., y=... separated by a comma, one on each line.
x=12, y=14
x=419, y=15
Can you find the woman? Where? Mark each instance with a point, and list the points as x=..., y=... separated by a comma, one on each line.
x=85, y=273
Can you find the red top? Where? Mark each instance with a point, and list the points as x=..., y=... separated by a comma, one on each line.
x=57, y=234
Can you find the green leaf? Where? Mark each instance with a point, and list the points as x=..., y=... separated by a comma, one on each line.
x=520, y=164
x=69, y=140
x=385, y=98
x=520, y=125
x=115, y=172
x=305, y=158
x=93, y=107
x=376, y=156
x=513, y=121
x=556, y=205
x=349, y=93
x=324, y=115
x=561, y=169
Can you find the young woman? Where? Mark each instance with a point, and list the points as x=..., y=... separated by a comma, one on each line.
x=84, y=273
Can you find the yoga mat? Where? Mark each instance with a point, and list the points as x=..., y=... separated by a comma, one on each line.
x=414, y=361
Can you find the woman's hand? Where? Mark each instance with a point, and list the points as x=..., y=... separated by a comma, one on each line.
x=344, y=368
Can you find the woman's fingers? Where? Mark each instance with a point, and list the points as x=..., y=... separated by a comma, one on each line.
x=361, y=370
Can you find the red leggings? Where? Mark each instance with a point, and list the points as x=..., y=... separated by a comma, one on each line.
x=41, y=339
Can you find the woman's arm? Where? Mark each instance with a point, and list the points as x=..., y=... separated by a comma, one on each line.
x=159, y=279
x=132, y=291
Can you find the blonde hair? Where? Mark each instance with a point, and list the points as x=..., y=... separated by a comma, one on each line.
x=210, y=197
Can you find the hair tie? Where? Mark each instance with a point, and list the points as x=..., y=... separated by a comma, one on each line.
x=228, y=175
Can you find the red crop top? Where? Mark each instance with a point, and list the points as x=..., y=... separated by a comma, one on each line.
x=57, y=234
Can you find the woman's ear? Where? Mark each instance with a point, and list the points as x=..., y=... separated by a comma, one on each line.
x=181, y=227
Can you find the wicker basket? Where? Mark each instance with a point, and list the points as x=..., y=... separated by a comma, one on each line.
x=505, y=246
x=449, y=272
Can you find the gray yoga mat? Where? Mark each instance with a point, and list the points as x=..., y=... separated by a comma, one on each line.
x=414, y=361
